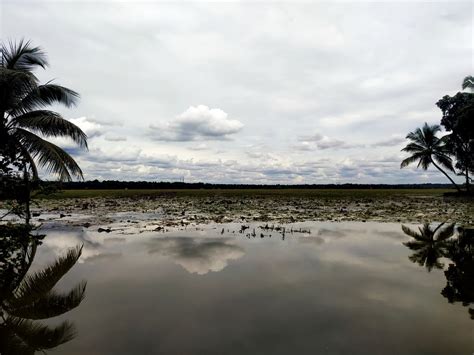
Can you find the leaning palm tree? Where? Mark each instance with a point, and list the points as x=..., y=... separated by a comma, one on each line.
x=426, y=149
x=24, y=121
x=27, y=298
x=429, y=244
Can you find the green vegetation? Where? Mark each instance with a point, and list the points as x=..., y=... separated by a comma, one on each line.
x=23, y=117
x=316, y=193
x=458, y=120
x=427, y=149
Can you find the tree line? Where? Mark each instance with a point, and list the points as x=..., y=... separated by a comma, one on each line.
x=52, y=186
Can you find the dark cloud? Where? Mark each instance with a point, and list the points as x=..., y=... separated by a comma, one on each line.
x=394, y=141
x=111, y=138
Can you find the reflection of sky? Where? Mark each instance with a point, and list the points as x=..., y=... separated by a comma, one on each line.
x=348, y=291
x=196, y=255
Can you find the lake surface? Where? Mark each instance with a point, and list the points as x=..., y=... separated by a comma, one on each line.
x=328, y=288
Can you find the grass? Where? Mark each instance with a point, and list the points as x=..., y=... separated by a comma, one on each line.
x=320, y=193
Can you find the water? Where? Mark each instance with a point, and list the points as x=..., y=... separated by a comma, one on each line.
x=342, y=288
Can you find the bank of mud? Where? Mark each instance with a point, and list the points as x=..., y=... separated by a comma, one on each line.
x=172, y=210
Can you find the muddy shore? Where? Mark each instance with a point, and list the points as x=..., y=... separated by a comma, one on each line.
x=172, y=210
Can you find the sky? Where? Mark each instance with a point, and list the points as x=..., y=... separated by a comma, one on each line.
x=249, y=92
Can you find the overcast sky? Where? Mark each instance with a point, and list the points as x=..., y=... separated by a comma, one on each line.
x=267, y=92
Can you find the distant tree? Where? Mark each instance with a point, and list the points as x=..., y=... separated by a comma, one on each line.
x=458, y=119
x=22, y=113
x=468, y=82
x=426, y=149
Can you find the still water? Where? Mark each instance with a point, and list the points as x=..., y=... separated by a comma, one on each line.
x=321, y=288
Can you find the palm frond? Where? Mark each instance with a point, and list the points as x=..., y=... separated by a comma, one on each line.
x=425, y=162
x=410, y=160
x=51, y=157
x=444, y=161
x=428, y=258
x=40, y=336
x=45, y=95
x=14, y=86
x=410, y=232
x=22, y=56
x=414, y=148
x=416, y=136
x=40, y=283
x=445, y=233
x=430, y=131
x=50, y=123
x=414, y=245
x=51, y=304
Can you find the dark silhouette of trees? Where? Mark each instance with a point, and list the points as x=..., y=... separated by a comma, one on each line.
x=26, y=298
x=24, y=119
x=430, y=244
x=426, y=149
x=458, y=120
x=25, y=123
x=460, y=272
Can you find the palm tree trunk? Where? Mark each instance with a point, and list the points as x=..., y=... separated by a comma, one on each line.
x=27, y=195
x=467, y=179
x=445, y=174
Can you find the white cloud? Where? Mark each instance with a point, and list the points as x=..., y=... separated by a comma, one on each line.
x=92, y=129
x=197, y=123
x=319, y=141
x=345, y=70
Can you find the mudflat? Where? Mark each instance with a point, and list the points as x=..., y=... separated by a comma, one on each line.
x=183, y=207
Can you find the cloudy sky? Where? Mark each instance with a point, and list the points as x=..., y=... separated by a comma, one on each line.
x=267, y=92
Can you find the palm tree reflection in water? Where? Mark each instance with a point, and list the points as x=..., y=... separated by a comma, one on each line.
x=26, y=298
x=431, y=244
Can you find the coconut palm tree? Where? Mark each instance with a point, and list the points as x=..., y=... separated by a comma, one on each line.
x=27, y=298
x=426, y=149
x=429, y=244
x=24, y=121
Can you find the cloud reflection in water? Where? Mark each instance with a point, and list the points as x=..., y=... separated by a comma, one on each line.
x=197, y=256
